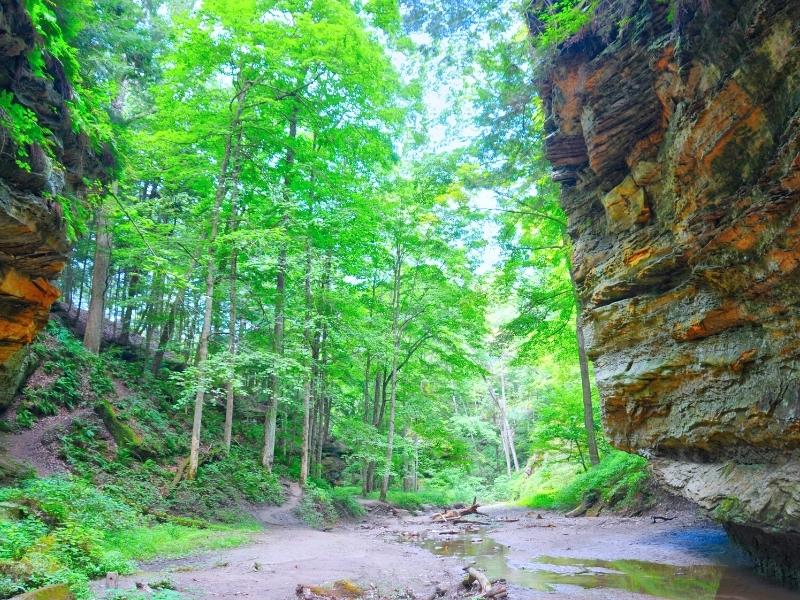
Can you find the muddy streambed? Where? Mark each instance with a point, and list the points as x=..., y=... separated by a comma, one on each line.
x=722, y=572
x=543, y=556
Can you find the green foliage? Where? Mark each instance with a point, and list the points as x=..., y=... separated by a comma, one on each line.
x=173, y=540
x=316, y=507
x=563, y=19
x=345, y=503
x=69, y=531
x=226, y=483
x=59, y=540
x=22, y=127
x=620, y=482
x=73, y=375
x=48, y=25
x=323, y=506
x=548, y=478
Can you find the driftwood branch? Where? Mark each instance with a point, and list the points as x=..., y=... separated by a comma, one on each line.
x=657, y=518
x=473, y=576
x=457, y=513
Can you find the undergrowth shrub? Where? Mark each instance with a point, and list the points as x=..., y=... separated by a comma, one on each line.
x=78, y=376
x=225, y=483
x=322, y=506
x=316, y=507
x=53, y=533
x=345, y=503
x=450, y=486
x=619, y=481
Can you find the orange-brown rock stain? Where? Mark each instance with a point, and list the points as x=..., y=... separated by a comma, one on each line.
x=728, y=316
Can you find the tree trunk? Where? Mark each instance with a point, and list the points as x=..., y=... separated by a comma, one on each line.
x=93, y=336
x=270, y=419
x=127, y=314
x=588, y=412
x=393, y=381
x=115, y=305
x=390, y=435
x=202, y=350
x=366, y=391
x=309, y=335
x=151, y=314
x=323, y=406
x=229, y=395
x=509, y=429
x=502, y=424
x=82, y=283
x=586, y=384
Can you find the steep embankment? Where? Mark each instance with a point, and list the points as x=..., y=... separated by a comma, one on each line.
x=674, y=129
x=34, y=178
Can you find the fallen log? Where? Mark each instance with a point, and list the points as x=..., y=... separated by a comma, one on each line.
x=457, y=513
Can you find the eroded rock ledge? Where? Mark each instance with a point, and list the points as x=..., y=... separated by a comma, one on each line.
x=677, y=142
x=33, y=244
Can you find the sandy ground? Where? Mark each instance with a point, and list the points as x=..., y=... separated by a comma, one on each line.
x=394, y=554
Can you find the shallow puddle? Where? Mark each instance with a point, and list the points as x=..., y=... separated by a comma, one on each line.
x=550, y=573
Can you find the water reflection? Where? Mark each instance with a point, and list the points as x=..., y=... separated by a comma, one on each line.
x=669, y=582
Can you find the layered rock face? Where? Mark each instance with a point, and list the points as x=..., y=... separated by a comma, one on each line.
x=675, y=131
x=33, y=243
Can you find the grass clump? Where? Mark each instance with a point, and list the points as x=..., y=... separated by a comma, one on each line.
x=316, y=507
x=562, y=19
x=172, y=540
x=546, y=481
x=71, y=373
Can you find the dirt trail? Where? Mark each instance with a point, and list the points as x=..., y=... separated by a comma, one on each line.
x=602, y=558
x=34, y=447
x=284, y=515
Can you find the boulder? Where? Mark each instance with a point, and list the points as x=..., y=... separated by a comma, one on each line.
x=58, y=591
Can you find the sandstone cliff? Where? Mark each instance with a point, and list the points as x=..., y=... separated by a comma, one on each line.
x=33, y=243
x=675, y=131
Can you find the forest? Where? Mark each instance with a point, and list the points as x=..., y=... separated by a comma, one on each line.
x=324, y=260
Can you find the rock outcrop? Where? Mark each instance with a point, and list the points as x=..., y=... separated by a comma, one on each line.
x=674, y=128
x=33, y=243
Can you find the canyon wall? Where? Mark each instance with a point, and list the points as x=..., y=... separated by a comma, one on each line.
x=674, y=129
x=33, y=243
